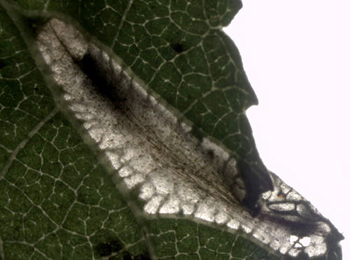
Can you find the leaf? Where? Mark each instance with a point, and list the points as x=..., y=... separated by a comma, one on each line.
x=57, y=198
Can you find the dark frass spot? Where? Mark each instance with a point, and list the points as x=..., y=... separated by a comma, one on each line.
x=211, y=154
x=99, y=77
x=107, y=248
x=177, y=47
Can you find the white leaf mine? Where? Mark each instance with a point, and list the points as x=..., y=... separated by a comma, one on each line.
x=156, y=156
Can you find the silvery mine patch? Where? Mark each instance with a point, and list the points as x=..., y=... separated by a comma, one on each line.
x=156, y=156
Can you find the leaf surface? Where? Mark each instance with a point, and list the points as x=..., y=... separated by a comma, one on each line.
x=57, y=201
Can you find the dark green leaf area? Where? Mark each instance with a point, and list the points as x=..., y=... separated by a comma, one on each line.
x=189, y=24
x=189, y=89
x=191, y=16
x=23, y=100
x=221, y=12
x=189, y=240
x=217, y=13
x=141, y=257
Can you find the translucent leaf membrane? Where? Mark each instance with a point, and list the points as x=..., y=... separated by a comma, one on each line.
x=157, y=158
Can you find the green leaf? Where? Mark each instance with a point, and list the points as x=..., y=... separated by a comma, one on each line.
x=63, y=196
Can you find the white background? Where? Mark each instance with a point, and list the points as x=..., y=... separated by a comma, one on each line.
x=296, y=54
